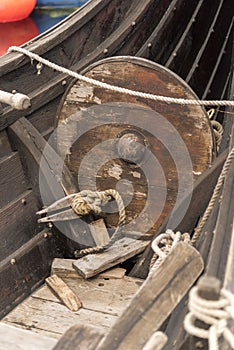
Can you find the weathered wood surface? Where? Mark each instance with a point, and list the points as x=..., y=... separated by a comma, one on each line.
x=199, y=199
x=96, y=293
x=101, y=116
x=64, y=269
x=11, y=176
x=64, y=293
x=48, y=175
x=80, y=337
x=157, y=298
x=99, y=232
x=14, y=338
x=5, y=148
x=104, y=299
x=122, y=250
x=22, y=271
x=18, y=223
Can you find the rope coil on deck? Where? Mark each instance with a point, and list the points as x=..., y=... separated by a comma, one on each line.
x=215, y=313
x=100, y=84
x=163, y=244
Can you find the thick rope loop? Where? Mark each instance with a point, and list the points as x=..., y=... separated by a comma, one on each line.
x=215, y=313
x=86, y=201
x=100, y=84
x=163, y=244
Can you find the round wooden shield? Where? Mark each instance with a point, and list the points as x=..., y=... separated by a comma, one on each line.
x=149, y=151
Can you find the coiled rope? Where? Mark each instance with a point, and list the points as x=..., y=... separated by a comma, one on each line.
x=216, y=314
x=88, y=201
x=163, y=244
x=100, y=84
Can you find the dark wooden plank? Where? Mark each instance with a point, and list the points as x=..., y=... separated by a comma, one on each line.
x=18, y=223
x=80, y=337
x=11, y=177
x=5, y=147
x=48, y=174
x=92, y=264
x=25, y=269
x=154, y=302
x=198, y=200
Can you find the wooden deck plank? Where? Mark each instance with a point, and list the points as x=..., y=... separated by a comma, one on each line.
x=54, y=318
x=103, y=301
x=13, y=338
x=102, y=295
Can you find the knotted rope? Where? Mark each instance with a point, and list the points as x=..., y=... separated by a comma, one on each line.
x=214, y=196
x=100, y=84
x=163, y=244
x=91, y=201
x=215, y=313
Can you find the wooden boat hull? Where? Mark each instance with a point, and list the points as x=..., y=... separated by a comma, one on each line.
x=197, y=48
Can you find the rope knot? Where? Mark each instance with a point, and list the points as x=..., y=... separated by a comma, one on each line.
x=88, y=201
x=215, y=313
x=163, y=244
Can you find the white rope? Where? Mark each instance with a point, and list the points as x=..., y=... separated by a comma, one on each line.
x=215, y=313
x=163, y=244
x=165, y=99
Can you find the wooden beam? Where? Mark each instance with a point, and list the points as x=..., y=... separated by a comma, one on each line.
x=63, y=268
x=92, y=264
x=80, y=337
x=156, y=341
x=99, y=232
x=155, y=300
x=55, y=177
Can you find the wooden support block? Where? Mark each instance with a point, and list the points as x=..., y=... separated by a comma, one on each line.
x=120, y=251
x=79, y=337
x=63, y=268
x=99, y=232
x=156, y=341
x=64, y=293
x=155, y=300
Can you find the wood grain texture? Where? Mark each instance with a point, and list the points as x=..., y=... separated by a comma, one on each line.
x=29, y=267
x=11, y=176
x=122, y=250
x=14, y=338
x=64, y=269
x=18, y=223
x=156, y=299
x=80, y=337
x=64, y=293
x=101, y=116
